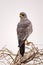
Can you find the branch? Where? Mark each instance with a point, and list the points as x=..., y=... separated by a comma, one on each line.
x=32, y=56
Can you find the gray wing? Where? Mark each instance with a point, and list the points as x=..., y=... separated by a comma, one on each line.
x=24, y=29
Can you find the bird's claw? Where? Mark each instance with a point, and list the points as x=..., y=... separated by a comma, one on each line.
x=27, y=42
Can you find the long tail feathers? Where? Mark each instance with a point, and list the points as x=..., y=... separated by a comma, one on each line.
x=22, y=49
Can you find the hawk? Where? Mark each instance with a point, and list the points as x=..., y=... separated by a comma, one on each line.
x=24, y=29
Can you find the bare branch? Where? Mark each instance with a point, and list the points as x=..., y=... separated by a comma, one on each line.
x=32, y=56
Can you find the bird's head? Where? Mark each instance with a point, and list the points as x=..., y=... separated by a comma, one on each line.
x=22, y=15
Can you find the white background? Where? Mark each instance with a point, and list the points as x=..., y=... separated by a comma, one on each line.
x=9, y=17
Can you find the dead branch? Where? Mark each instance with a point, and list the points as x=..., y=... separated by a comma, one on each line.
x=32, y=56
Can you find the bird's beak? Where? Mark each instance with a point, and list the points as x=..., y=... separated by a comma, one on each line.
x=20, y=15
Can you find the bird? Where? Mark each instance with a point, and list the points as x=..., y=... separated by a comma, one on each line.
x=24, y=29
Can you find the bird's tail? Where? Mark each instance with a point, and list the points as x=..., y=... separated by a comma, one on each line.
x=22, y=48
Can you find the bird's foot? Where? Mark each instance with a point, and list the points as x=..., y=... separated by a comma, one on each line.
x=27, y=42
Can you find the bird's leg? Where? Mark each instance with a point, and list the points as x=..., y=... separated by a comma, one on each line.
x=27, y=42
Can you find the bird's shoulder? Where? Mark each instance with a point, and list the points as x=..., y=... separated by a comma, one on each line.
x=23, y=23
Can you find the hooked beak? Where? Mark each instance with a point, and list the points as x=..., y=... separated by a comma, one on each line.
x=20, y=15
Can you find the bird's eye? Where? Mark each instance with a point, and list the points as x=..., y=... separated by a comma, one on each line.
x=22, y=14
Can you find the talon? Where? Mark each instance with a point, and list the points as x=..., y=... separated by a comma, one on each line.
x=27, y=42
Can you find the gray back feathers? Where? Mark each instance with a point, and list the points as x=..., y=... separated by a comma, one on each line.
x=24, y=29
